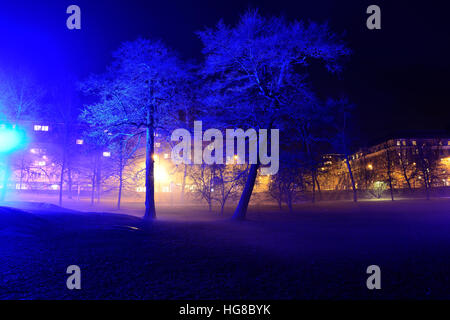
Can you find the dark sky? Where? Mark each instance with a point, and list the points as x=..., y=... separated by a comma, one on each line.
x=397, y=76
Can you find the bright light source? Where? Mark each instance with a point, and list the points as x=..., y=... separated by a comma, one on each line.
x=446, y=161
x=11, y=139
x=155, y=157
x=369, y=166
x=107, y=154
x=161, y=174
x=79, y=141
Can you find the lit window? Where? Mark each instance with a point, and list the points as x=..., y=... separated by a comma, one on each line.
x=414, y=142
x=398, y=142
x=38, y=127
x=157, y=144
x=40, y=163
x=140, y=189
x=107, y=154
x=404, y=142
x=166, y=156
x=79, y=141
x=34, y=151
x=448, y=143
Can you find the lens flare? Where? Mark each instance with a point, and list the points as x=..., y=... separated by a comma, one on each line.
x=11, y=139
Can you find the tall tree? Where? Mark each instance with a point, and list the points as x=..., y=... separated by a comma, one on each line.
x=138, y=91
x=258, y=68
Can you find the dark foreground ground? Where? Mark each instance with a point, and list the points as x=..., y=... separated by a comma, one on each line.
x=320, y=251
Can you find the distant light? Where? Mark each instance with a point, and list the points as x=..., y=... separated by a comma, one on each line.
x=79, y=141
x=235, y=157
x=369, y=166
x=107, y=154
x=155, y=157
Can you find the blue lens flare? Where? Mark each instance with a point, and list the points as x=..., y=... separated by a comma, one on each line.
x=11, y=139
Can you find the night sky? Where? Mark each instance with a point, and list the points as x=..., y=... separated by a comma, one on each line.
x=397, y=76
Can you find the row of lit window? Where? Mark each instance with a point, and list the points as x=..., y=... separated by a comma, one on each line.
x=414, y=142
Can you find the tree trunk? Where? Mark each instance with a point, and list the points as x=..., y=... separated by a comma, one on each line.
x=424, y=167
x=280, y=204
x=388, y=166
x=355, y=196
x=390, y=188
x=313, y=178
x=5, y=179
x=99, y=178
x=119, y=197
x=241, y=210
x=150, y=210
x=222, y=207
x=427, y=189
x=405, y=175
x=22, y=167
x=94, y=173
x=61, y=179
x=318, y=188
x=69, y=181
x=289, y=201
x=183, y=184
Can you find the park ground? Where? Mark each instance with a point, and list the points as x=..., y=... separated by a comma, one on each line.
x=320, y=251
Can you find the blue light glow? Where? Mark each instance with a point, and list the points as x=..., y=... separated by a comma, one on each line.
x=11, y=139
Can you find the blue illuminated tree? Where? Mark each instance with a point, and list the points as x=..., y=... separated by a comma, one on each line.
x=20, y=97
x=138, y=95
x=258, y=69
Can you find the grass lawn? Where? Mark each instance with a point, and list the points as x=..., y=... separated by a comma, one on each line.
x=321, y=251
